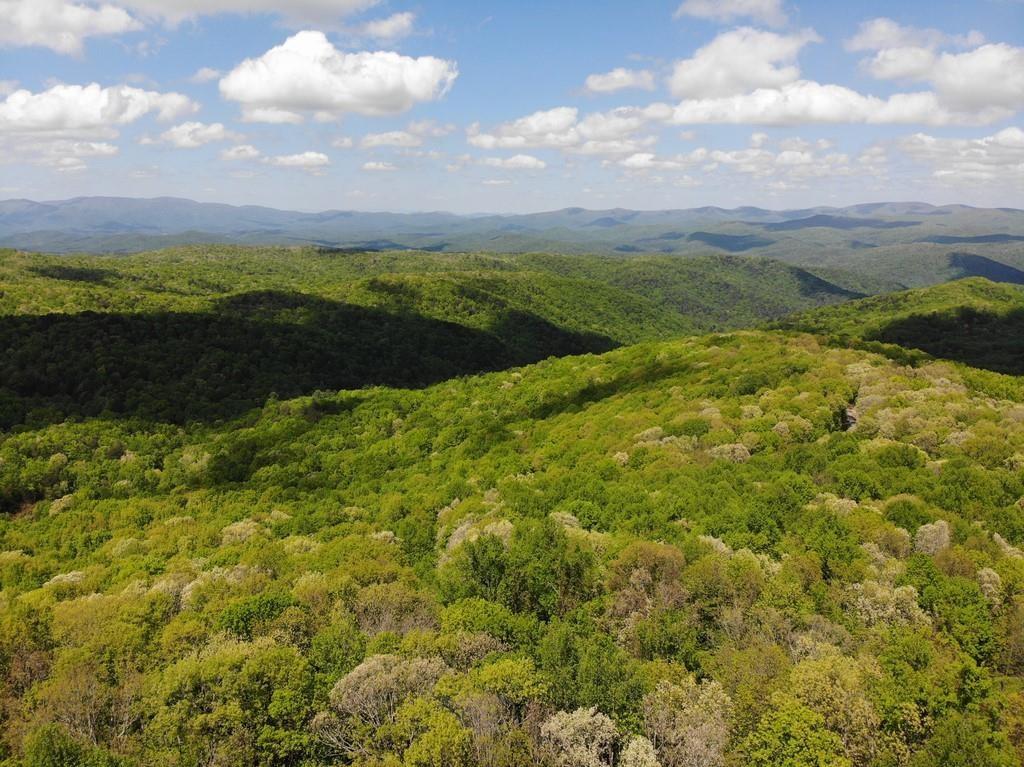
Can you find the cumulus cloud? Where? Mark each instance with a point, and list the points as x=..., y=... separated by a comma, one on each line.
x=612, y=132
x=739, y=61
x=343, y=142
x=430, y=128
x=325, y=13
x=620, y=79
x=999, y=157
x=61, y=155
x=769, y=12
x=393, y=27
x=378, y=167
x=241, y=152
x=60, y=25
x=312, y=162
x=790, y=163
x=516, y=162
x=192, y=135
x=883, y=33
x=645, y=161
x=308, y=74
x=901, y=63
x=398, y=138
x=987, y=77
x=206, y=75
x=86, y=110
x=810, y=102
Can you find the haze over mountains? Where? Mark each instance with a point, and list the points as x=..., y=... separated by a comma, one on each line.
x=906, y=243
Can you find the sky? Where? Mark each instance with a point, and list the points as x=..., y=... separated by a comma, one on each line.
x=476, y=106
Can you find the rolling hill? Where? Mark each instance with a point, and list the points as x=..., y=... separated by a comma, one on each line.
x=974, y=321
x=912, y=244
x=210, y=332
x=300, y=507
x=671, y=535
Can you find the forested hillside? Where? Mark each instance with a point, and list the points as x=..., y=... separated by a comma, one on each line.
x=269, y=507
x=912, y=244
x=678, y=553
x=208, y=333
x=974, y=321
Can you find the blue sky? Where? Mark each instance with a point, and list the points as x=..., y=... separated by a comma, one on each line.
x=513, y=106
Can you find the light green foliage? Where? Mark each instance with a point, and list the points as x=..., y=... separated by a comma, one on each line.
x=688, y=723
x=791, y=735
x=682, y=541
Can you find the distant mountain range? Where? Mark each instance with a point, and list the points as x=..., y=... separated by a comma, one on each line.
x=910, y=243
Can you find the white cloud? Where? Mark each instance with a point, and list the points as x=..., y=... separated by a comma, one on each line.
x=325, y=13
x=793, y=162
x=391, y=138
x=516, y=162
x=86, y=110
x=739, y=61
x=553, y=128
x=809, y=102
x=206, y=75
x=60, y=128
x=191, y=135
x=430, y=128
x=241, y=152
x=645, y=161
x=308, y=74
x=393, y=27
x=989, y=77
x=343, y=142
x=60, y=25
x=901, y=63
x=882, y=33
x=612, y=132
x=63, y=155
x=312, y=162
x=767, y=11
x=379, y=166
x=619, y=79
x=999, y=157
x=496, y=182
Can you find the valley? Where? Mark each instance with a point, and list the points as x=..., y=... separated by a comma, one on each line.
x=302, y=506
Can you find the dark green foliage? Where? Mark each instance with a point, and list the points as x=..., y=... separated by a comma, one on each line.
x=245, y=616
x=686, y=536
x=973, y=321
x=52, y=746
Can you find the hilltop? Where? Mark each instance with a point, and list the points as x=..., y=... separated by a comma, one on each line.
x=974, y=321
x=912, y=244
x=688, y=525
x=300, y=507
x=212, y=332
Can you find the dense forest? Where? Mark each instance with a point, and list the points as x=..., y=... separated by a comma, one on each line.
x=209, y=333
x=298, y=508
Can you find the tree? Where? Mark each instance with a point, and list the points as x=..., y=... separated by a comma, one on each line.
x=688, y=723
x=52, y=746
x=581, y=738
x=834, y=687
x=965, y=740
x=432, y=735
x=639, y=752
x=792, y=735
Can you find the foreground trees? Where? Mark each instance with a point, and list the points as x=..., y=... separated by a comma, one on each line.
x=550, y=567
